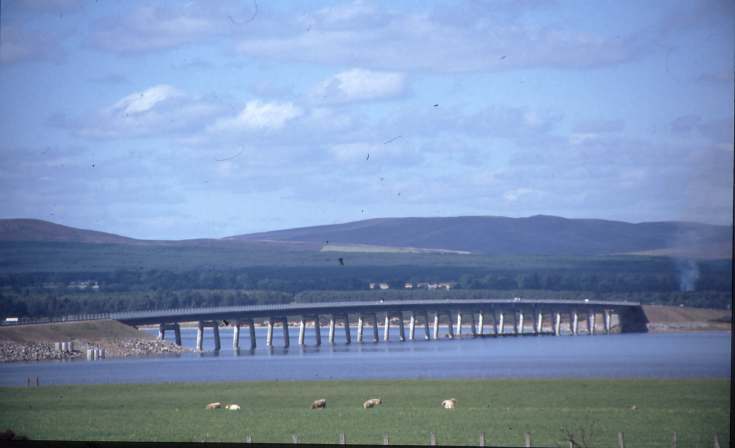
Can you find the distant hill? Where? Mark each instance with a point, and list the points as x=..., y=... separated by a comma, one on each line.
x=38, y=230
x=486, y=235
x=535, y=235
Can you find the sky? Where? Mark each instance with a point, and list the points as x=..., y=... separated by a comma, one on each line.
x=175, y=119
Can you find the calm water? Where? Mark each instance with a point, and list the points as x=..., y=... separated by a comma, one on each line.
x=675, y=355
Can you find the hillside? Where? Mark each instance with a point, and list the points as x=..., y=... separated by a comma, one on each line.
x=38, y=230
x=536, y=235
x=485, y=235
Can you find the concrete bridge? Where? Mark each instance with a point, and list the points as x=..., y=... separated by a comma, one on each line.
x=500, y=317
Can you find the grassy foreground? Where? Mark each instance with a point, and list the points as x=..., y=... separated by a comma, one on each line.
x=273, y=411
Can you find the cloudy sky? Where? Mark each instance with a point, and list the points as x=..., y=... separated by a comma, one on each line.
x=176, y=119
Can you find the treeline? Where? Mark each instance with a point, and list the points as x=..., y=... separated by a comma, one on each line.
x=51, y=303
x=615, y=276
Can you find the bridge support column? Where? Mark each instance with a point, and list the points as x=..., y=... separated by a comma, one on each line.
x=317, y=331
x=302, y=331
x=480, y=323
x=236, y=335
x=331, y=329
x=401, y=332
x=591, y=323
x=519, y=322
x=200, y=337
x=175, y=327
x=217, y=342
x=436, y=326
x=251, y=326
x=269, y=333
x=538, y=325
x=557, y=323
x=573, y=323
x=473, y=326
x=359, y=328
x=450, y=325
x=412, y=326
x=348, y=337
x=606, y=317
x=459, y=324
x=498, y=323
x=386, y=327
x=375, y=327
x=286, y=338
x=427, y=335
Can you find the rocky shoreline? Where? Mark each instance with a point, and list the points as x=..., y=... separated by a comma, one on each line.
x=114, y=348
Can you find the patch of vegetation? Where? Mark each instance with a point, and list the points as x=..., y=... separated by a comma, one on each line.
x=647, y=411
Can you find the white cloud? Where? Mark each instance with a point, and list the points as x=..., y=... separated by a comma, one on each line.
x=146, y=100
x=359, y=85
x=259, y=115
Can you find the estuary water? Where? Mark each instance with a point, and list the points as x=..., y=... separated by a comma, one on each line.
x=652, y=355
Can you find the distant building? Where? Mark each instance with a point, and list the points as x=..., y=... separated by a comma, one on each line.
x=379, y=286
x=88, y=284
x=408, y=285
x=441, y=285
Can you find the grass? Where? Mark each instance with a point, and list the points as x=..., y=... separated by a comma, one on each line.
x=273, y=411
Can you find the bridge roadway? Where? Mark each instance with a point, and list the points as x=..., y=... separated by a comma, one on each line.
x=616, y=316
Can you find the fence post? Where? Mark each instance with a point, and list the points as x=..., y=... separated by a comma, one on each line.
x=385, y=439
x=248, y=439
x=342, y=439
x=673, y=441
x=527, y=440
x=717, y=441
x=621, y=440
x=295, y=439
x=432, y=439
x=482, y=438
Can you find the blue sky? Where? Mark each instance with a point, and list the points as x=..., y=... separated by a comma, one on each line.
x=174, y=119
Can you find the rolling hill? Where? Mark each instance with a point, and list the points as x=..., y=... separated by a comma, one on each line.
x=487, y=235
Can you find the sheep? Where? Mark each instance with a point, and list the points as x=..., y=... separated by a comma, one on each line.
x=319, y=404
x=449, y=404
x=233, y=407
x=215, y=405
x=371, y=403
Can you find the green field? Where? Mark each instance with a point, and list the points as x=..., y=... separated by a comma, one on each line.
x=273, y=411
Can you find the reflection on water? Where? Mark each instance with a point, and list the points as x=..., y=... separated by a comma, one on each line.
x=682, y=355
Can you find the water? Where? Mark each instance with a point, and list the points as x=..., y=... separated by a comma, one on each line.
x=656, y=355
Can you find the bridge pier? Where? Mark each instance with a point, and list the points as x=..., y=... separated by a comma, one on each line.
x=450, y=327
x=236, y=335
x=498, y=323
x=331, y=329
x=573, y=323
x=251, y=326
x=317, y=330
x=591, y=323
x=348, y=337
x=539, y=322
x=412, y=326
x=200, y=334
x=427, y=335
x=359, y=328
x=481, y=323
x=606, y=317
x=175, y=327
x=557, y=323
x=269, y=333
x=386, y=328
x=459, y=324
x=302, y=331
x=436, y=325
x=374, y=320
x=473, y=327
x=518, y=327
x=401, y=333
x=286, y=338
